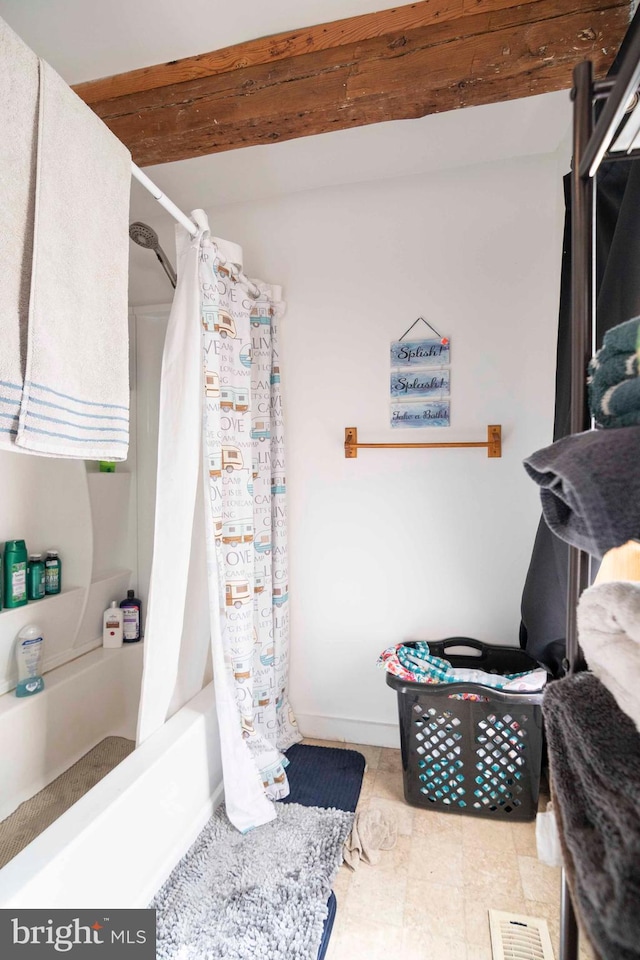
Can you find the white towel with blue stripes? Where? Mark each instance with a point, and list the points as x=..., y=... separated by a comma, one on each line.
x=64, y=209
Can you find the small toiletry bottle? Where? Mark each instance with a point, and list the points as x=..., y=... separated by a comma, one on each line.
x=15, y=573
x=107, y=466
x=35, y=577
x=112, y=628
x=29, y=652
x=52, y=572
x=131, y=608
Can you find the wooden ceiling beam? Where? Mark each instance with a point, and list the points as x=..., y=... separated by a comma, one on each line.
x=424, y=58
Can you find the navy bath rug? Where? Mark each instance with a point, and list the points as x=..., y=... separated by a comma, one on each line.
x=328, y=926
x=324, y=776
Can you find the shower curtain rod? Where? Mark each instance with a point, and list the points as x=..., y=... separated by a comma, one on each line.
x=186, y=222
x=164, y=201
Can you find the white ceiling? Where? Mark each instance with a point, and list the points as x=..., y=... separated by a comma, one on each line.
x=85, y=39
x=400, y=148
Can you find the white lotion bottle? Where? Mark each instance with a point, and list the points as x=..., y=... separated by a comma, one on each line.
x=112, y=626
x=29, y=649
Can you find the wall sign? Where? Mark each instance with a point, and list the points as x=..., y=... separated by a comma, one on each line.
x=420, y=414
x=420, y=384
x=420, y=353
x=413, y=384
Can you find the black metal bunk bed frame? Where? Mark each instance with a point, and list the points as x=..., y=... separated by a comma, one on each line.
x=593, y=144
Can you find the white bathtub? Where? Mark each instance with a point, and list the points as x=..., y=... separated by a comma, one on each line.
x=84, y=701
x=116, y=845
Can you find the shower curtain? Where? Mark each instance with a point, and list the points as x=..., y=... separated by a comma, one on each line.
x=219, y=576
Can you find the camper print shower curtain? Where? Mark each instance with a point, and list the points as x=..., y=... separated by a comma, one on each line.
x=245, y=484
x=218, y=593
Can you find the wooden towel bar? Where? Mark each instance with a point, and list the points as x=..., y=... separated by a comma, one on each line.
x=493, y=443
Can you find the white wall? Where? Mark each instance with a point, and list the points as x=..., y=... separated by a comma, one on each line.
x=148, y=330
x=404, y=544
x=90, y=517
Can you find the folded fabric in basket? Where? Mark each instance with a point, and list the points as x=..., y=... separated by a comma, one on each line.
x=414, y=662
x=594, y=756
x=614, y=388
x=609, y=632
x=64, y=208
x=590, y=487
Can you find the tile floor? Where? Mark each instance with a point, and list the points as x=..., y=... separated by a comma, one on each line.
x=428, y=898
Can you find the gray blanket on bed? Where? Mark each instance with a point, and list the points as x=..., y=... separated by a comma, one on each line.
x=594, y=755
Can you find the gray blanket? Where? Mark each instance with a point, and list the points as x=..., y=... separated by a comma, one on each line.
x=609, y=632
x=594, y=755
x=590, y=487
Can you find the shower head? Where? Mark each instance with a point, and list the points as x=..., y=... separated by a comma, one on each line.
x=145, y=236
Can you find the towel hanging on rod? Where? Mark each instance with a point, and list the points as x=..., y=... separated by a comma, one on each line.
x=63, y=287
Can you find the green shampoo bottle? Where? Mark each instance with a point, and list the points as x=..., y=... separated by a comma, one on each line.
x=15, y=573
x=35, y=577
x=52, y=573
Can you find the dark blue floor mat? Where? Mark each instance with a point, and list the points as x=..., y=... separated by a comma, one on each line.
x=328, y=926
x=324, y=776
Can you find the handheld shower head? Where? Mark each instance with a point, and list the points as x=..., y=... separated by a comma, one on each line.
x=146, y=237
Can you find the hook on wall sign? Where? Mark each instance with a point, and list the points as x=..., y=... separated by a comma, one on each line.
x=493, y=443
x=443, y=340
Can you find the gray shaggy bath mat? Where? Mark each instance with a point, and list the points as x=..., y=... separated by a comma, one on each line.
x=255, y=896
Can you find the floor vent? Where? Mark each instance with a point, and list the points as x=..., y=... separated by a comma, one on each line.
x=515, y=937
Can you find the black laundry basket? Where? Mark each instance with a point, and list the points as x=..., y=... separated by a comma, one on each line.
x=479, y=757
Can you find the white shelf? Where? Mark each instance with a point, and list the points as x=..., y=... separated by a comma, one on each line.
x=71, y=623
x=57, y=615
x=44, y=604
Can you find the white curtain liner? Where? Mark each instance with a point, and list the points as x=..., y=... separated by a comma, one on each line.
x=180, y=475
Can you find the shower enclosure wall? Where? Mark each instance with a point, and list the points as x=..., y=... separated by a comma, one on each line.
x=116, y=844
